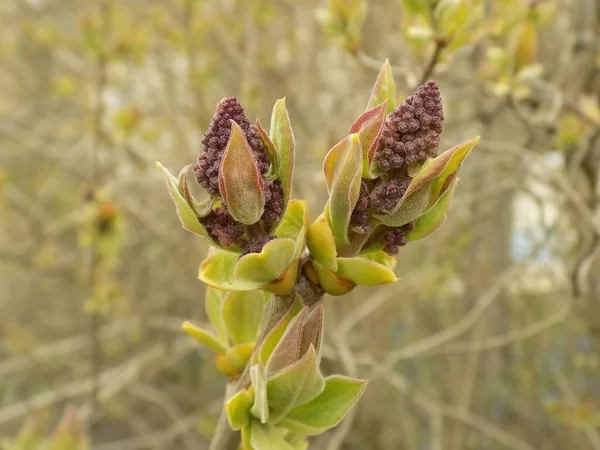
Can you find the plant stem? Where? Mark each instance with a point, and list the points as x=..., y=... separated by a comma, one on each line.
x=225, y=438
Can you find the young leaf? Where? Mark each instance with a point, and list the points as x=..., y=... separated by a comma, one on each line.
x=260, y=409
x=282, y=137
x=240, y=182
x=287, y=350
x=200, y=208
x=454, y=158
x=268, y=144
x=212, y=304
x=384, y=89
x=293, y=224
x=285, y=284
x=331, y=282
x=267, y=437
x=343, y=170
x=369, y=127
x=327, y=409
x=365, y=271
x=268, y=265
x=241, y=313
x=274, y=336
x=238, y=409
x=187, y=216
x=217, y=271
x=320, y=243
x=234, y=360
x=434, y=217
x=246, y=434
x=204, y=338
x=293, y=386
x=312, y=332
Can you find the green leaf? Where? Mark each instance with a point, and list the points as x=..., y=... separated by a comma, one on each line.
x=274, y=336
x=331, y=282
x=384, y=89
x=327, y=409
x=204, y=338
x=217, y=271
x=295, y=385
x=369, y=127
x=427, y=185
x=246, y=434
x=293, y=225
x=454, y=158
x=267, y=437
x=287, y=350
x=382, y=257
x=200, y=208
x=260, y=409
x=238, y=409
x=241, y=313
x=235, y=359
x=283, y=139
x=343, y=170
x=434, y=217
x=321, y=244
x=312, y=332
x=268, y=265
x=410, y=207
x=212, y=304
x=187, y=216
x=365, y=271
x=271, y=150
x=240, y=182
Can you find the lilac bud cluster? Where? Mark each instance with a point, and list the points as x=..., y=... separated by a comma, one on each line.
x=220, y=224
x=223, y=228
x=360, y=216
x=256, y=244
x=215, y=141
x=394, y=238
x=412, y=131
x=273, y=202
x=386, y=196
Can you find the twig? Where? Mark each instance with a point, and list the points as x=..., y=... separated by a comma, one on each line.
x=444, y=410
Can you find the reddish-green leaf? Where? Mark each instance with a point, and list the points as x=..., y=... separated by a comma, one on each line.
x=434, y=217
x=240, y=182
x=369, y=127
x=384, y=89
x=343, y=170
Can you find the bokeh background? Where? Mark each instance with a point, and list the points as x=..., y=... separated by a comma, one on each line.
x=489, y=341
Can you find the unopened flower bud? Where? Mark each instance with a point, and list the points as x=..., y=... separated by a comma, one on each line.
x=386, y=196
x=215, y=141
x=256, y=244
x=223, y=228
x=394, y=238
x=412, y=131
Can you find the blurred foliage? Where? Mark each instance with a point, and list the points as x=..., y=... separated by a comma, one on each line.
x=491, y=336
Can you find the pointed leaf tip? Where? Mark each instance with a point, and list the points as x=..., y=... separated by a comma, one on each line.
x=384, y=88
x=204, y=338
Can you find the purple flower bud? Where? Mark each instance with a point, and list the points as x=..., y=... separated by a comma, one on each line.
x=256, y=244
x=273, y=202
x=417, y=122
x=386, y=196
x=215, y=141
x=223, y=228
